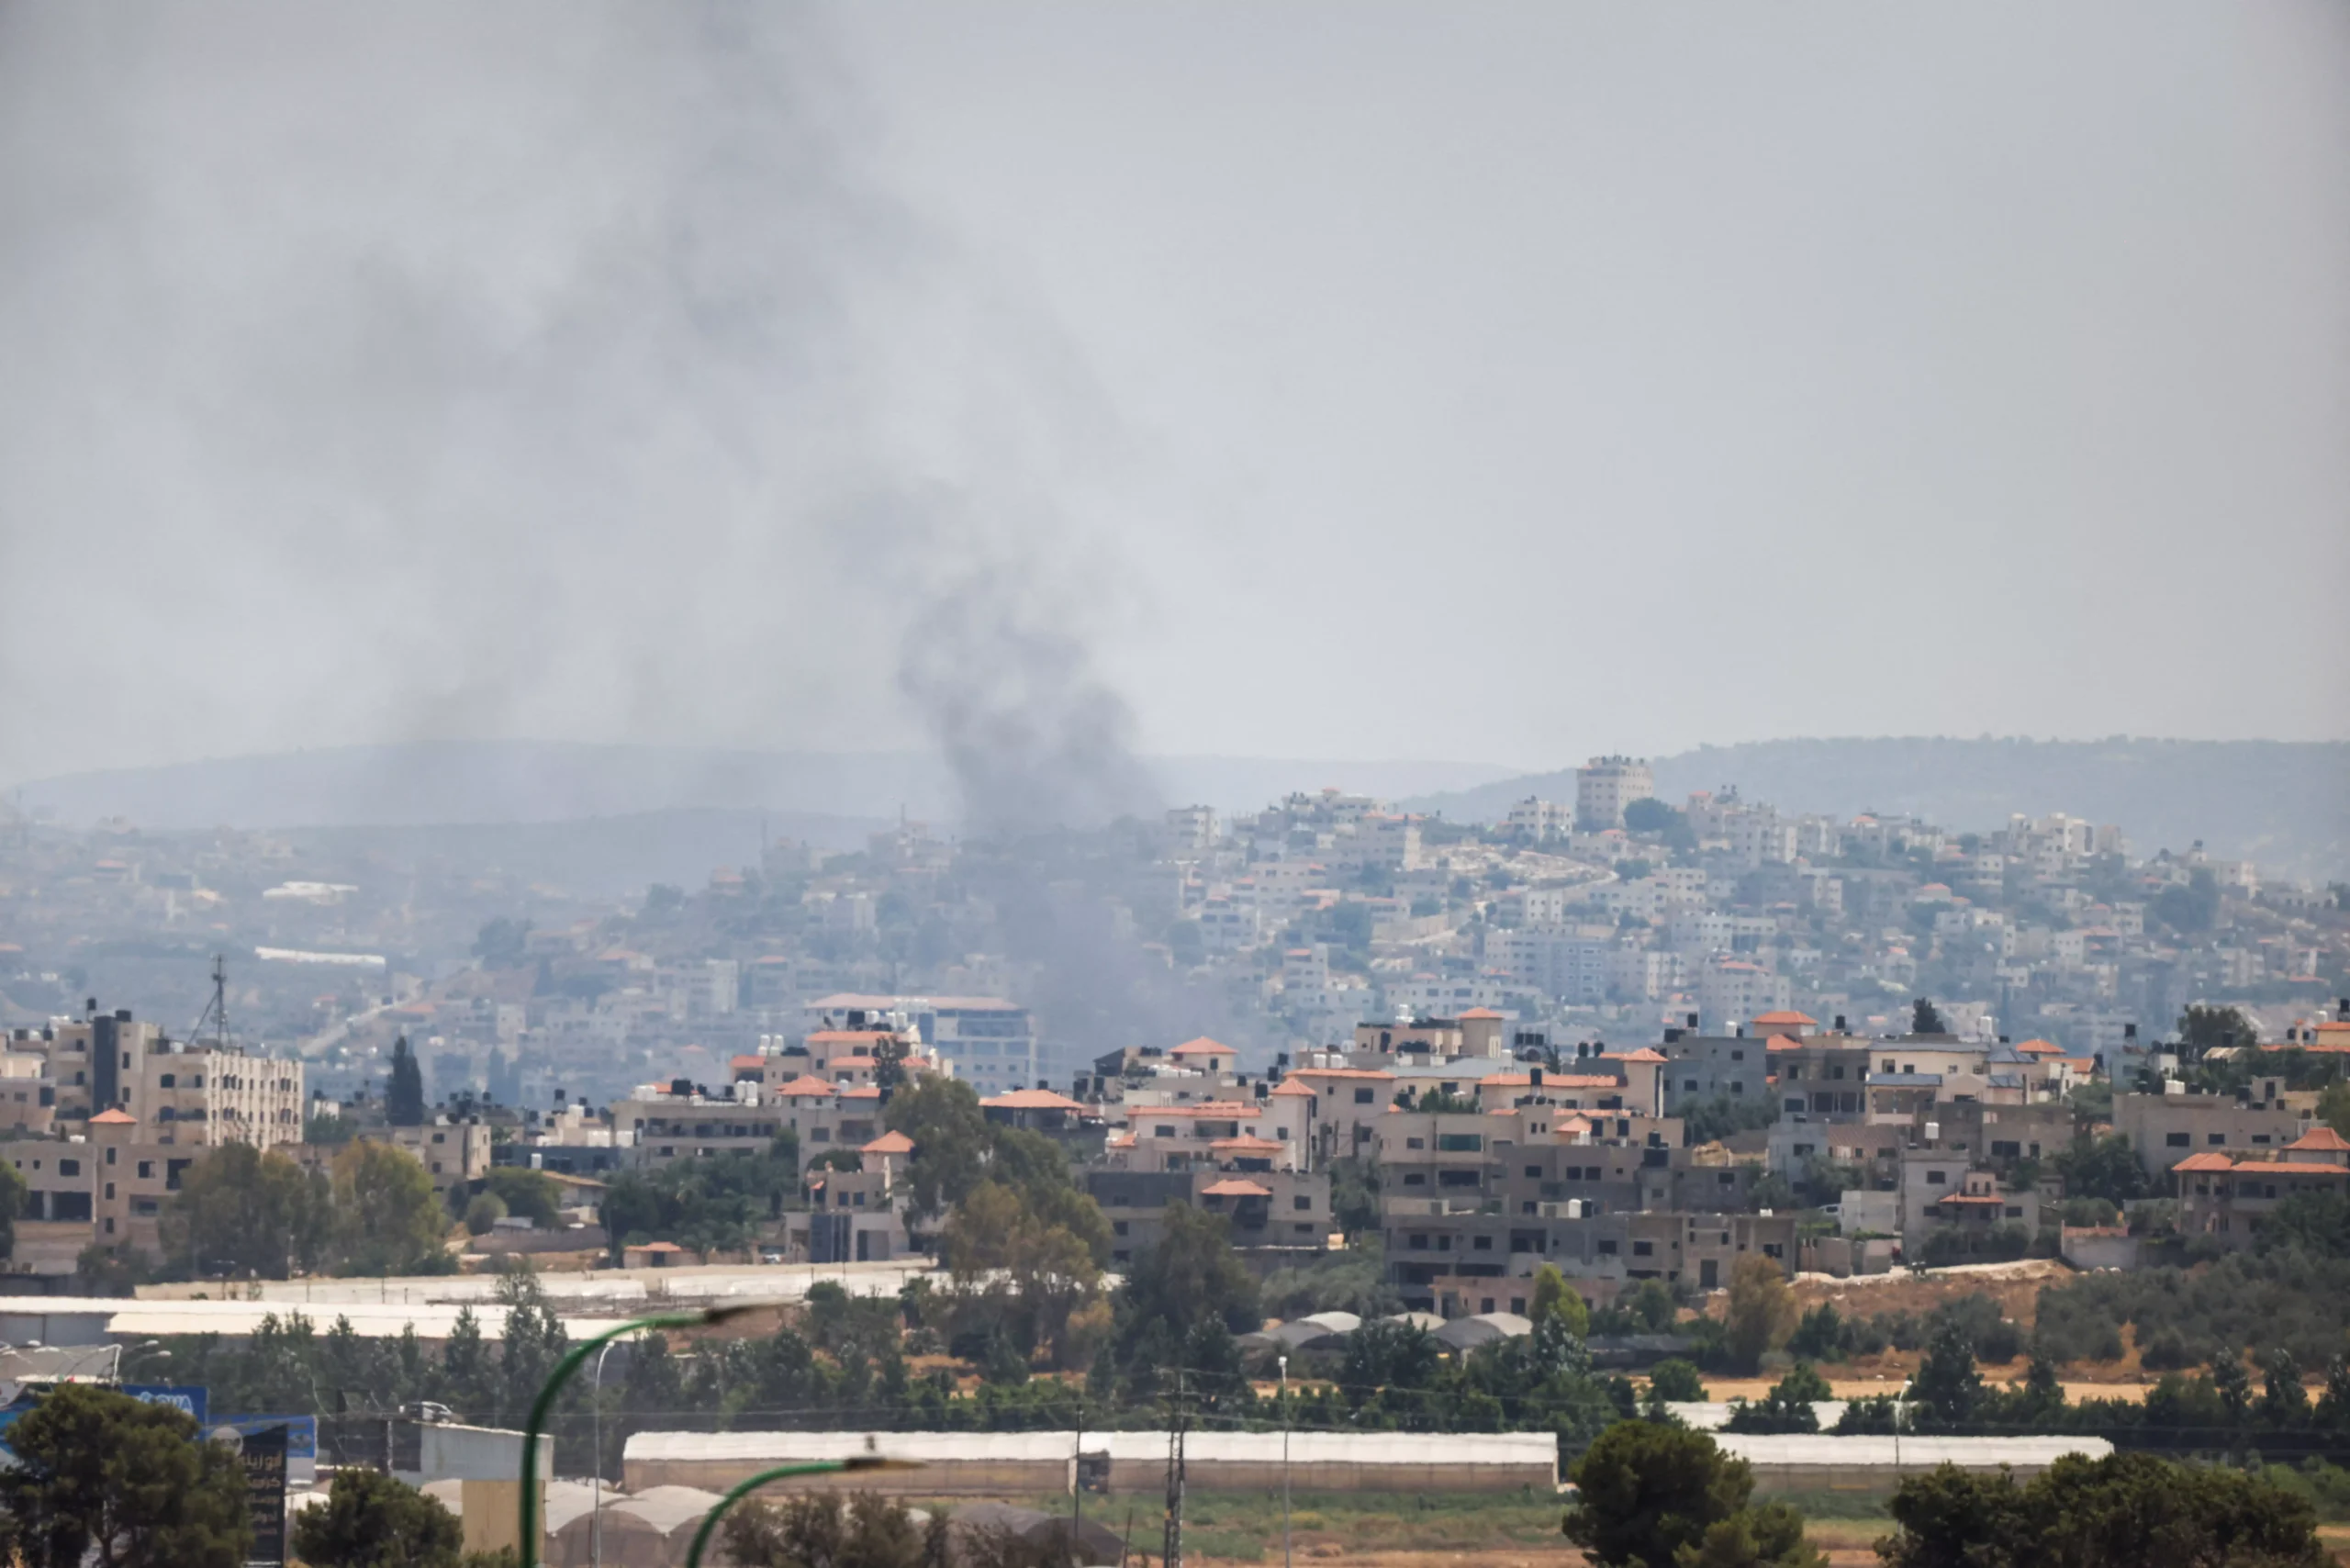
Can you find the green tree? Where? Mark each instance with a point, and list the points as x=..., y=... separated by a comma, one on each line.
x=375, y=1521
x=387, y=1219
x=483, y=1213
x=242, y=1211
x=1192, y=1273
x=1042, y=1248
x=11, y=1206
x=1652, y=1496
x=952, y=1141
x=534, y=1194
x=1947, y=1389
x=1763, y=1312
x=404, y=1092
x=1676, y=1380
x=2284, y=1403
x=1925, y=1018
x=1787, y=1407
x=2202, y=1029
x=1554, y=1298
x=500, y=945
x=2233, y=1382
x=1820, y=1337
x=822, y=1530
x=468, y=1377
x=2128, y=1510
x=2105, y=1167
x=2191, y=907
x=102, y=1477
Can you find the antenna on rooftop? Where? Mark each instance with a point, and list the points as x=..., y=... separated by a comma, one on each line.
x=216, y=1010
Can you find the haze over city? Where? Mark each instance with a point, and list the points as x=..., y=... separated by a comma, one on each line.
x=1500, y=386
x=1451, y=785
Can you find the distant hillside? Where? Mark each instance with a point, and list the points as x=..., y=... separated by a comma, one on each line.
x=445, y=782
x=2284, y=804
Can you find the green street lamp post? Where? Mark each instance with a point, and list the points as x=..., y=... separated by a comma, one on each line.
x=526, y=1551
x=819, y=1467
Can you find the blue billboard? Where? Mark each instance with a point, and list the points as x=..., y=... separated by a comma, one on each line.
x=186, y=1401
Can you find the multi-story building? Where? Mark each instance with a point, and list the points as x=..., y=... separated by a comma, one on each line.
x=1606, y=785
x=2227, y=1199
x=988, y=1043
x=2166, y=1128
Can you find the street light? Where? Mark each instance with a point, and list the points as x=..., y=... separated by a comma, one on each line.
x=1284, y=1463
x=526, y=1551
x=596, y=1476
x=781, y=1472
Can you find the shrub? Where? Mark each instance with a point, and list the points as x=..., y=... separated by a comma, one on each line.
x=1677, y=1381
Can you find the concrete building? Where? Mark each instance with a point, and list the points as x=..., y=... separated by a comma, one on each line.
x=2166, y=1128
x=1604, y=786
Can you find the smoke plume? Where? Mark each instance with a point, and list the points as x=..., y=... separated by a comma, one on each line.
x=559, y=370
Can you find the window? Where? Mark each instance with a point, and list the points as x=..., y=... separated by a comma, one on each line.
x=2215, y=1137
x=1162, y=1132
x=169, y=1081
x=1365, y=1096
x=1607, y=1249
x=1689, y=1084
x=110, y=1153
x=146, y=1169
x=1415, y=1178
x=1418, y=1243
x=1936, y=1178
x=1482, y=1243
x=1643, y=1249
x=1117, y=1228
x=1738, y=1056
x=2015, y=1211
x=2176, y=1140
x=1534, y=1173
x=1737, y=1088
x=1415, y=1143
x=1301, y=1202
x=65, y=1167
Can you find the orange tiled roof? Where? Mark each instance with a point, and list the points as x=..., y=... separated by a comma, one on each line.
x=1291, y=1087
x=1643, y=1055
x=113, y=1116
x=806, y=1084
x=1251, y=1144
x=1233, y=1187
x=1341, y=1072
x=1477, y=1012
x=1785, y=1016
x=890, y=1143
x=2320, y=1138
x=2205, y=1162
x=1783, y=1043
x=1032, y=1100
x=2041, y=1048
x=1203, y=1047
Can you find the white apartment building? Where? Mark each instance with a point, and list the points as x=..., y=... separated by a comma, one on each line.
x=1536, y=819
x=987, y=1041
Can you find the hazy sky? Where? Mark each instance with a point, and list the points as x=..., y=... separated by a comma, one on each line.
x=1489, y=382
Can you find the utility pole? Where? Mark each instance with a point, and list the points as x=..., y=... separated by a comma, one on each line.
x=1171, y=1548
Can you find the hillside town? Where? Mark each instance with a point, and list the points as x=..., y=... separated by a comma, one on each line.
x=1630, y=1039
